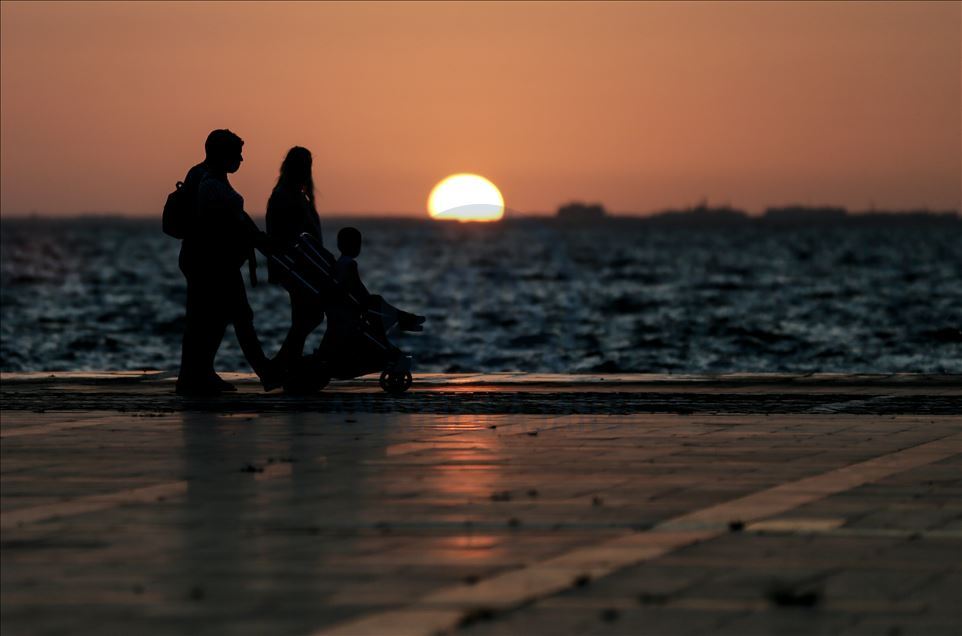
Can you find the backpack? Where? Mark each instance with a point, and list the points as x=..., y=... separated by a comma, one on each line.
x=177, y=212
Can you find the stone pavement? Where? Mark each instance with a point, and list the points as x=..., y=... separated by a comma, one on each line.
x=495, y=393
x=662, y=505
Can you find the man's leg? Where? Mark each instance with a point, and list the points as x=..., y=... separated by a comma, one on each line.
x=242, y=316
x=204, y=327
x=188, y=347
x=212, y=334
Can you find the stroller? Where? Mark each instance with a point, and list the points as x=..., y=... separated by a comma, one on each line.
x=356, y=341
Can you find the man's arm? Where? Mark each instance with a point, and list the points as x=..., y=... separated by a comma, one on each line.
x=226, y=210
x=252, y=235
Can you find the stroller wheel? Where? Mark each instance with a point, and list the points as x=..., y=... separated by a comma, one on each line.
x=395, y=382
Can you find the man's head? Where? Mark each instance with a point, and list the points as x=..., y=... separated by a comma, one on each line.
x=223, y=150
x=349, y=241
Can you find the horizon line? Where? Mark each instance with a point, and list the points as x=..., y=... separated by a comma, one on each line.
x=517, y=215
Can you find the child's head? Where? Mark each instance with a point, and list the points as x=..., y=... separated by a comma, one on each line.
x=349, y=242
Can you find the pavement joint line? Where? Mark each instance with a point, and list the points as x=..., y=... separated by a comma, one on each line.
x=91, y=503
x=53, y=427
x=836, y=407
x=16, y=518
x=797, y=525
x=833, y=526
x=442, y=609
x=740, y=604
x=867, y=533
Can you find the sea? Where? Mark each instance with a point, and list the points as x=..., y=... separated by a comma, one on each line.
x=611, y=296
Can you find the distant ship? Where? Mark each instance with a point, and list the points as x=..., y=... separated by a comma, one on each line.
x=805, y=214
x=581, y=212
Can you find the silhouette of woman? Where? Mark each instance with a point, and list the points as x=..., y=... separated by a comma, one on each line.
x=291, y=212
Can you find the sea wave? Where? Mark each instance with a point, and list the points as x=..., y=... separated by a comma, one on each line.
x=615, y=297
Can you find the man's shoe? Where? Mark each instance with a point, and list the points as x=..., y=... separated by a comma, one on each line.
x=222, y=384
x=273, y=376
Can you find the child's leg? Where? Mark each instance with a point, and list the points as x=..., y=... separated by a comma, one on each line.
x=410, y=322
x=391, y=315
x=386, y=313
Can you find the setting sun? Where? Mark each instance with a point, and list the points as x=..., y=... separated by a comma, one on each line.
x=466, y=197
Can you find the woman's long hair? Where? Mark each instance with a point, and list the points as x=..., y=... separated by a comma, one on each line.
x=296, y=173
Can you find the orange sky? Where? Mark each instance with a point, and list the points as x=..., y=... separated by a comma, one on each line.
x=639, y=106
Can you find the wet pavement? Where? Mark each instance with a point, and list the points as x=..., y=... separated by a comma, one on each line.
x=835, y=507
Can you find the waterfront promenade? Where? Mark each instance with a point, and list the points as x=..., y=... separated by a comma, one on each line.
x=484, y=504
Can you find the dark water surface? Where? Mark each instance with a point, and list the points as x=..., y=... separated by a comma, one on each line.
x=617, y=296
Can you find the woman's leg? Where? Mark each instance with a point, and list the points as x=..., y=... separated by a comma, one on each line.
x=306, y=316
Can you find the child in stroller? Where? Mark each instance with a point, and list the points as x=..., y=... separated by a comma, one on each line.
x=356, y=341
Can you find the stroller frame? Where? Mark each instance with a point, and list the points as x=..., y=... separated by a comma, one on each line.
x=310, y=266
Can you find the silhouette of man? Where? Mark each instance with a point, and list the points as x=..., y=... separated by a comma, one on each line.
x=221, y=236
